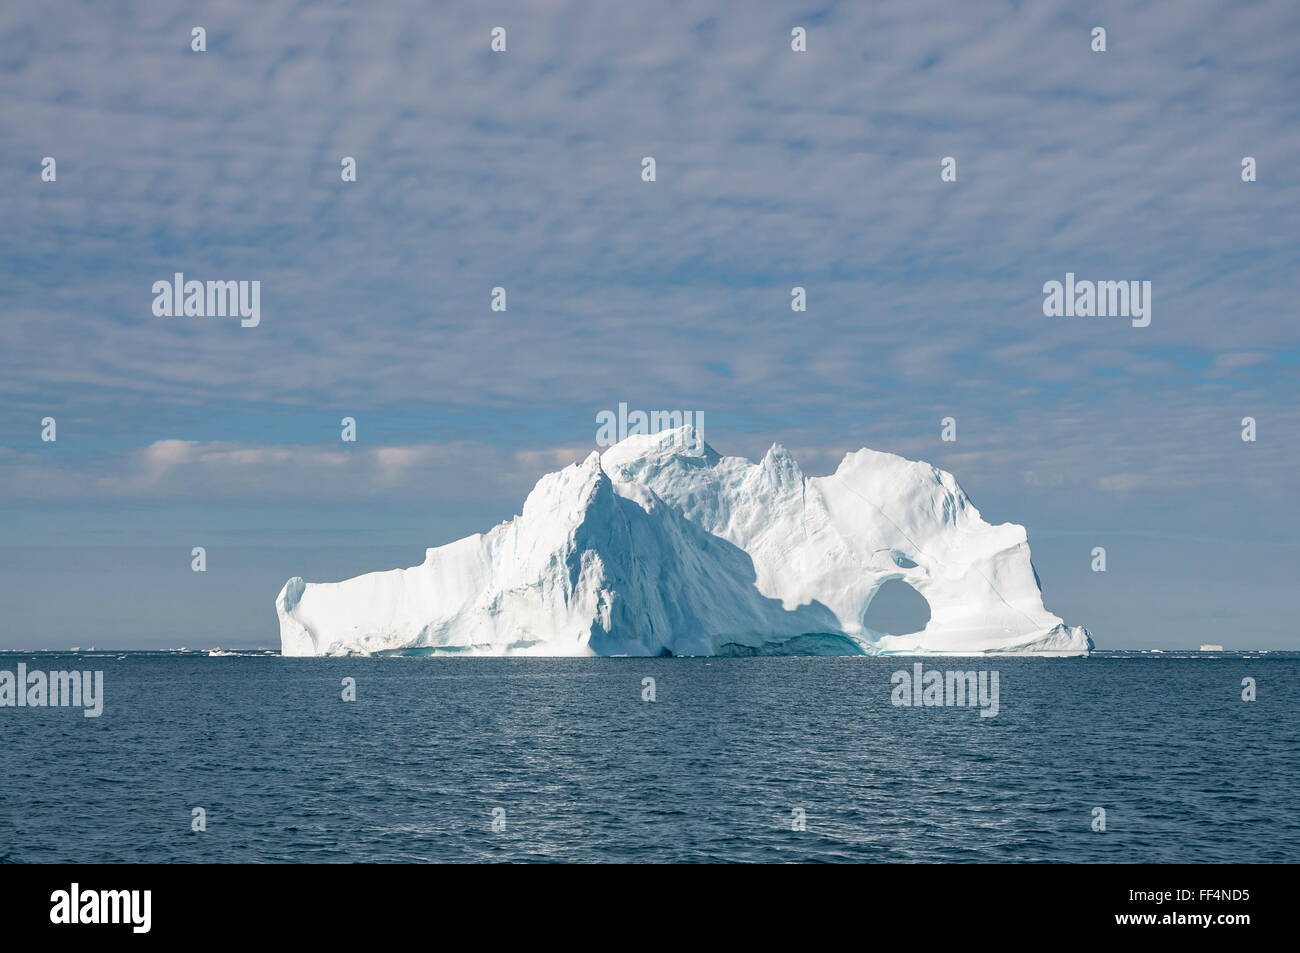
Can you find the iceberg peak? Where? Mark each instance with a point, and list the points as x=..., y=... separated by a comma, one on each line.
x=781, y=464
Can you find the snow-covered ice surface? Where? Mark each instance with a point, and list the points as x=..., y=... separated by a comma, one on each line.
x=662, y=546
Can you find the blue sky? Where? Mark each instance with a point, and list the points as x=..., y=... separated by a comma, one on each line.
x=522, y=170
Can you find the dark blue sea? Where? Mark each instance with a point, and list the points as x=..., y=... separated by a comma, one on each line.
x=721, y=766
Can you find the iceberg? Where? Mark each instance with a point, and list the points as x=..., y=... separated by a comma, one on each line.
x=661, y=546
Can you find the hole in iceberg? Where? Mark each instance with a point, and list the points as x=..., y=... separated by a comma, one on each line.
x=897, y=609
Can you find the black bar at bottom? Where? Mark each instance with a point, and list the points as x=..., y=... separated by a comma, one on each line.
x=334, y=902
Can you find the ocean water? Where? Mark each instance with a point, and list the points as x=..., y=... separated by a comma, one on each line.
x=717, y=768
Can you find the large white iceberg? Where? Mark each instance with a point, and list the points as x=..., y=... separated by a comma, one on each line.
x=663, y=547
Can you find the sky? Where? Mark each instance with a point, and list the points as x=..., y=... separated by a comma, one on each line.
x=522, y=169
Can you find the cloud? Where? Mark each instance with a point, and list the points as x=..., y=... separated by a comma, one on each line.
x=1225, y=364
x=775, y=169
x=199, y=470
